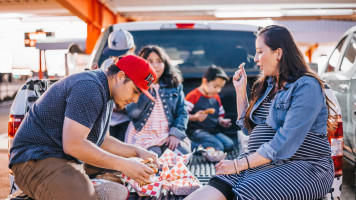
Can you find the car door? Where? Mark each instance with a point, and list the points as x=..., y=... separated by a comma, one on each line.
x=336, y=78
x=348, y=64
x=340, y=75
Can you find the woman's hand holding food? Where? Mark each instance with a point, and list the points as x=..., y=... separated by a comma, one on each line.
x=240, y=78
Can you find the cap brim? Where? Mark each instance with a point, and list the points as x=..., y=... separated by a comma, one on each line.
x=110, y=52
x=148, y=94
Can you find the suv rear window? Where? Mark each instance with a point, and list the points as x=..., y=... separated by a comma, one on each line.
x=195, y=50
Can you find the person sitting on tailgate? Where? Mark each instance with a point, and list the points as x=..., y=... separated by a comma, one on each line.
x=162, y=124
x=206, y=112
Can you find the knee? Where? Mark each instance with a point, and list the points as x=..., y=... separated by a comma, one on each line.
x=184, y=148
x=156, y=149
x=111, y=190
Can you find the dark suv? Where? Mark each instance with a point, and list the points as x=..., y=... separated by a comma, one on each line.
x=194, y=46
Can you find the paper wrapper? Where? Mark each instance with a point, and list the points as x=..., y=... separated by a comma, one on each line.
x=179, y=179
x=185, y=186
x=174, y=176
x=214, y=156
x=152, y=189
x=178, y=171
x=170, y=158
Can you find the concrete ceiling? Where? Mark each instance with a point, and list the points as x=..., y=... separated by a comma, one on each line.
x=31, y=9
x=234, y=9
x=143, y=10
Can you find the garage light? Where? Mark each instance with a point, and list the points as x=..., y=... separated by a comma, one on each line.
x=281, y=13
x=317, y=12
x=247, y=14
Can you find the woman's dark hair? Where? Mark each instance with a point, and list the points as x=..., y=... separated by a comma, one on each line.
x=171, y=74
x=214, y=72
x=292, y=66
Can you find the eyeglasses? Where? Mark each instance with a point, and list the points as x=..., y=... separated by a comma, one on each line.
x=159, y=62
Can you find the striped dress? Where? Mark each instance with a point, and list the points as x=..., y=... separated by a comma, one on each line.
x=308, y=174
x=155, y=131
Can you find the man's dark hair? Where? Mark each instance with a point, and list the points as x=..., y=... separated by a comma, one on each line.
x=113, y=70
x=214, y=72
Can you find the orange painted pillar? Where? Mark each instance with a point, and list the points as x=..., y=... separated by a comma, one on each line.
x=310, y=51
x=95, y=14
x=93, y=34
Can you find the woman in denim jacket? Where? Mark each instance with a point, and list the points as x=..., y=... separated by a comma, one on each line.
x=161, y=124
x=289, y=154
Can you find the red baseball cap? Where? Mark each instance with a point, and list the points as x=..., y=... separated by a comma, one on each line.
x=139, y=71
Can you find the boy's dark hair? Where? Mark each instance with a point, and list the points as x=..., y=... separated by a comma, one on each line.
x=214, y=72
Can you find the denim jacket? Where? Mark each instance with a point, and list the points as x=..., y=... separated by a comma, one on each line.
x=174, y=108
x=298, y=108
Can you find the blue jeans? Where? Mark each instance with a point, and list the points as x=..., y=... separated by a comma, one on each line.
x=218, y=141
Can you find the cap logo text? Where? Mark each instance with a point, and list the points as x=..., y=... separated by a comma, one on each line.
x=149, y=79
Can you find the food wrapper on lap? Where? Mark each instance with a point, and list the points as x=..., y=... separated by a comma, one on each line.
x=175, y=177
x=178, y=171
x=170, y=158
x=152, y=189
x=178, y=179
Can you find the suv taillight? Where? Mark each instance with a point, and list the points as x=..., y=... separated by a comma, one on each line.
x=336, y=142
x=183, y=25
x=14, y=123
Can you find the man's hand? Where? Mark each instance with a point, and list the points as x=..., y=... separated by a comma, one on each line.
x=144, y=154
x=224, y=122
x=200, y=116
x=172, y=142
x=133, y=168
x=225, y=167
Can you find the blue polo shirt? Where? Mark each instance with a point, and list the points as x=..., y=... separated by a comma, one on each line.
x=83, y=97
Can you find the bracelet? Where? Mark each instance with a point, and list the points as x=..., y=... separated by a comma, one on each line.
x=248, y=164
x=237, y=170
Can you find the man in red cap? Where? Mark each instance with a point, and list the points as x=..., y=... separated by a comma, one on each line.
x=68, y=126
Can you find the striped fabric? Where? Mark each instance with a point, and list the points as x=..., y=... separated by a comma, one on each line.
x=308, y=174
x=155, y=131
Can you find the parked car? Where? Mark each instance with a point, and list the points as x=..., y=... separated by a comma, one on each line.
x=340, y=74
x=193, y=46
